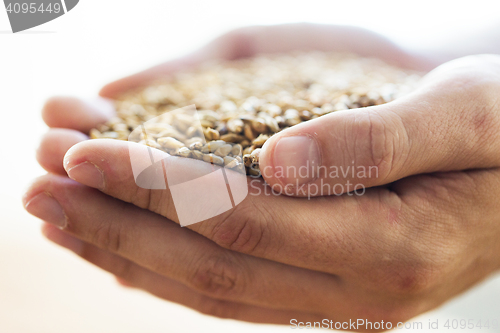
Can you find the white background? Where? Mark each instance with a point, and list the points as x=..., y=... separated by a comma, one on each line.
x=45, y=289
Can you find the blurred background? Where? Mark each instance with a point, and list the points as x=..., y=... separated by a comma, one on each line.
x=46, y=289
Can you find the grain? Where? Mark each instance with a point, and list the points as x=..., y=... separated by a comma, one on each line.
x=224, y=150
x=231, y=137
x=236, y=150
x=235, y=125
x=211, y=134
x=247, y=160
x=197, y=154
x=241, y=104
x=214, y=159
x=254, y=171
x=211, y=147
x=184, y=152
x=196, y=145
x=170, y=143
x=255, y=156
x=260, y=140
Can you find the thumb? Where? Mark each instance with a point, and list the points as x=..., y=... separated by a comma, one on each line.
x=441, y=127
x=328, y=155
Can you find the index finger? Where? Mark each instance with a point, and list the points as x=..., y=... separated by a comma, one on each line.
x=74, y=113
x=266, y=225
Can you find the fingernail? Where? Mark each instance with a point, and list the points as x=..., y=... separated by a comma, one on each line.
x=45, y=207
x=295, y=158
x=88, y=174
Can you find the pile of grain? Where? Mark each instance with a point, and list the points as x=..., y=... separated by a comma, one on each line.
x=240, y=104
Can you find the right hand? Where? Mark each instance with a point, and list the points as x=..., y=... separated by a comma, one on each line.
x=75, y=118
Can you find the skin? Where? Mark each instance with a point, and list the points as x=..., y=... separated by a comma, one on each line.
x=424, y=231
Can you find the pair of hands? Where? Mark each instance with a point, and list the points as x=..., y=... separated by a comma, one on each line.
x=424, y=231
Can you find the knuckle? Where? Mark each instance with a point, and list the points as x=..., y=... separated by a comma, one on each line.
x=419, y=271
x=411, y=279
x=422, y=260
x=108, y=236
x=483, y=91
x=241, y=230
x=218, y=276
x=434, y=240
x=484, y=119
x=381, y=141
x=473, y=84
